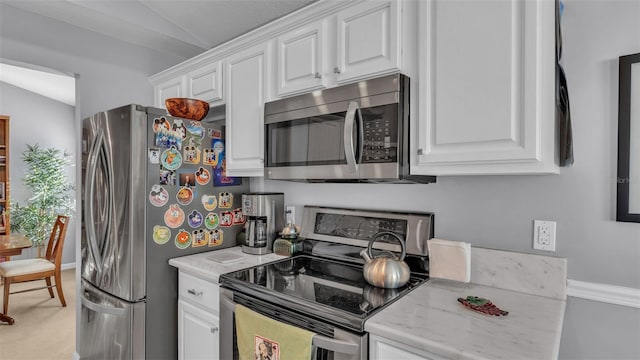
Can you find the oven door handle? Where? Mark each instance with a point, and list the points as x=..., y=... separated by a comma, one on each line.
x=324, y=342
x=337, y=346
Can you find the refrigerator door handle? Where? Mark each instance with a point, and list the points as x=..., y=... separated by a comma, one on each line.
x=99, y=308
x=108, y=249
x=89, y=198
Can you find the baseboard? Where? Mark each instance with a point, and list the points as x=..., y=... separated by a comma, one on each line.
x=611, y=294
x=68, y=266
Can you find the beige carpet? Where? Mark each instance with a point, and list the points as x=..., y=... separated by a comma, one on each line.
x=43, y=328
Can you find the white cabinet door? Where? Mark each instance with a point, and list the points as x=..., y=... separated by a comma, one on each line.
x=384, y=349
x=245, y=88
x=300, y=59
x=205, y=83
x=368, y=40
x=168, y=89
x=486, y=87
x=198, y=333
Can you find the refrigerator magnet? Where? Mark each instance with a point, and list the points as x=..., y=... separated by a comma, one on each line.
x=203, y=176
x=195, y=219
x=200, y=238
x=226, y=218
x=238, y=217
x=209, y=202
x=168, y=138
x=179, y=128
x=191, y=155
x=211, y=221
x=216, y=237
x=225, y=200
x=183, y=239
x=167, y=177
x=195, y=128
x=187, y=178
x=210, y=157
x=214, y=133
x=174, y=216
x=160, y=124
x=158, y=196
x=161, y=234
x=171, y=158
x=154, y=156
x=184, y=196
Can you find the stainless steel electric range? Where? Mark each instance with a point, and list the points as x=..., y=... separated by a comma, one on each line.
x=322, y=288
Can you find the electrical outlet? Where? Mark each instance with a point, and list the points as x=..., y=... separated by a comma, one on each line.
x=544, y=235
x=290, y=212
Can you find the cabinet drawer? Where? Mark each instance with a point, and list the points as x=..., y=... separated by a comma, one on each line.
x=199, y=291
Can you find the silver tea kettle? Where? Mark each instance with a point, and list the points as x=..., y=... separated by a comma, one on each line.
x=385, y=271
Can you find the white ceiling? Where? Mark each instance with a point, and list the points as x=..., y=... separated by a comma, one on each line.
x=182, y=27
x=58, y=87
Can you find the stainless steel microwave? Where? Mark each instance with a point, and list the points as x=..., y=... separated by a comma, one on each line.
x=352, y=133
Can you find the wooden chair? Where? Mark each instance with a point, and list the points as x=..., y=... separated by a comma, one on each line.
x=17, y=271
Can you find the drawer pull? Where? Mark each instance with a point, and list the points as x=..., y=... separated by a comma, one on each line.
x=214, y=329
x=194, y=292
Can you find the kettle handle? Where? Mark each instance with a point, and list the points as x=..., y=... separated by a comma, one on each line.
x=396, y=236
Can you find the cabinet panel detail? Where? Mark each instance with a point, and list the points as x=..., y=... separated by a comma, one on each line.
x=206, y=83
x=368, y=40
x=301, y=59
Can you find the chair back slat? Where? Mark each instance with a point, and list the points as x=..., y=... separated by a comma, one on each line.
x=56, y=240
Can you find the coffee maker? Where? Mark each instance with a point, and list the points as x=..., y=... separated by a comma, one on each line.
x=265, y=218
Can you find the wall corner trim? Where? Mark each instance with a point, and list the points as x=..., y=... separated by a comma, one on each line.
x=611, y=294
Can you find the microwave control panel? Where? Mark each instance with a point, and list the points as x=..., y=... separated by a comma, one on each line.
x=380, y=141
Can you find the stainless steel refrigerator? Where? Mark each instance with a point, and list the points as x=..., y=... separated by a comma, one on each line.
x=153, y=189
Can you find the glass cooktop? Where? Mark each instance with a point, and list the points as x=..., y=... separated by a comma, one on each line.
x=316, y=285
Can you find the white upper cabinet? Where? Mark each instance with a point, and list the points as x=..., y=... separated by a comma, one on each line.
x=368, y=40
x=168, y=89
x=300, y=59
x=486, y=88
x=246, y=91
x=205, y=83
x=360, y=41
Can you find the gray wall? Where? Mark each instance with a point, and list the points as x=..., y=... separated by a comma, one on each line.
x=498, y=211
x=36, y=119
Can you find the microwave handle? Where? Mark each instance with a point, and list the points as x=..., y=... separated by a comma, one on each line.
x=349, y=147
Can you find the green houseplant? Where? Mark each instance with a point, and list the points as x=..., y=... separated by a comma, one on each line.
x=50, y=190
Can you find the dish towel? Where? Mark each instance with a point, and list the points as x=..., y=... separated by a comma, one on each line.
x=262, y=338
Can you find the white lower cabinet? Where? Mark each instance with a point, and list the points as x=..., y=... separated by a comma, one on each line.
x=198, y=318
x=384, y=349
x=198, y=333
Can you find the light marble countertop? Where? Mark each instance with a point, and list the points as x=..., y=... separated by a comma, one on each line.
x=201, y=266
x=431, y=319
